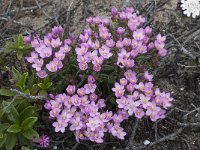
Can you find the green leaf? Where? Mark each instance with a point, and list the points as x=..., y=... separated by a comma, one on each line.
x=7, y=92
x=108, y=67
x=1, y=135
x=30, y=134
x=27, y=47
x=25, y=148
x=15, y=128
x=11, y=141
x=41, y=85
x=16, y=74
x=20, y=40
x=24, y=104
x=19, y=55
x=28, y=122
x=3, y=140
x=30, y=81
x=4, y=126
x=21, y=83
x=48, y=85
x=27, y=112
x=5, y=107
x=13, y=115
x=43, y=93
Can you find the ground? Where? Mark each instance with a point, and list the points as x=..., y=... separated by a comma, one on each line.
x=178, y=73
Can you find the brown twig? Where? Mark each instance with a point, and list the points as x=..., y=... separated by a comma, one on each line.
x=165, y=138
x=183, y=49
x=67, y=18
x=131, y=139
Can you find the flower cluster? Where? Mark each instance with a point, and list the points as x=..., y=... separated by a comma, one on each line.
x=101, y=40
x=48, y=53
x=119, y=41
x=81, y=110
x=191, y=7
x=139, y=98
x=91, y=48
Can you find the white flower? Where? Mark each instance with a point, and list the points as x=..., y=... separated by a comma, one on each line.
x=191, y=7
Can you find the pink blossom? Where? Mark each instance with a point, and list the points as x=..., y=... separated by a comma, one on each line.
x=42, y=74
x=51, y=66
x=56, y=43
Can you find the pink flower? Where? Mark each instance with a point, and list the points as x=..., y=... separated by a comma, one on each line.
x=81, y=91
x=148, y=76
x=126, y=42
x=76, y=124
x=46, y=52
x=142, y=49
x=44, y=141
x=71, y=89
x=84, y=38
x=34, y=56
x=118, y=131
x=122, y=102
x=120, y=30
x=160, y=38
x=105, y=35
x=38, y=63
x=56, y=43
x=159, y=45
x=60, y=55
x=83, y=65
x=58, y=63
x=93, y=123
x=91, y=79
x=60, y=125
x=105, y=53
x=76, y=101
x=54, y=112
x=52, y=67
x=110, y=43
x=119, y=44
x=138, y=34
x=145, y=101
x=47, y=41
x=93, y=97
x=82, y=50
x=162, y=52
x=42, y=74
x=119, y=90
x=139, y=113
x=123, y=81
x=132, y=106
x=130, y=87
x=65, y=48
x=90, y=88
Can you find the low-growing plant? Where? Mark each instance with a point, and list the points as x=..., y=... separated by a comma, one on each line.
x=17, y=121
x=98, y=80
x=17, y=45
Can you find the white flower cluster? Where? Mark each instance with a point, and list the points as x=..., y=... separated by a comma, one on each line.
x=191, y=7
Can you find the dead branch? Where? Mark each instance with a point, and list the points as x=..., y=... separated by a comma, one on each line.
x=165, y=138
x=130, y=143
x=67, y=18
x=39, y=6
x=183, y=49
x=19, y=93
x=189, y=124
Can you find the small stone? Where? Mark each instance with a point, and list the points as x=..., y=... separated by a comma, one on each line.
x=181, y=89
x=147, y=142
